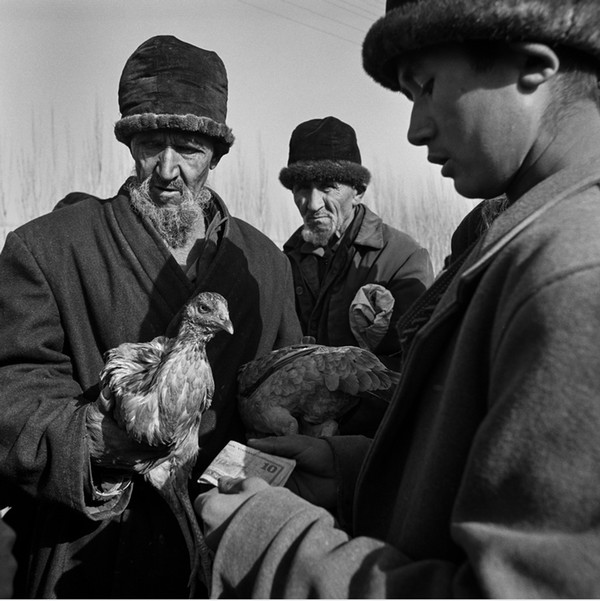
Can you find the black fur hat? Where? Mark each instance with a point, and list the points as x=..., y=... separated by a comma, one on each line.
x=411, y=24
x=167, y=83
x=324, y=150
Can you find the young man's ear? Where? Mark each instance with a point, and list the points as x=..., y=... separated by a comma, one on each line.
x=539, y=63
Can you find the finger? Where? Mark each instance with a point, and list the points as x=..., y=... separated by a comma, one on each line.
x=284, y=446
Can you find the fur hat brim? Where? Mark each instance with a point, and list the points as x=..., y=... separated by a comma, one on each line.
x=421, y=23
x=345, y=172
x=127, y=127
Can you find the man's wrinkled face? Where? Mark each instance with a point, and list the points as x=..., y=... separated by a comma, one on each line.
x=326, y=208
x=174, y=161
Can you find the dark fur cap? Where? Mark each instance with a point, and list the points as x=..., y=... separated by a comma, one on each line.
x=411, y=24
x=324, y=150
x=167, y=83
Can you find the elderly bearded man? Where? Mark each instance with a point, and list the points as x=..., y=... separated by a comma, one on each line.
x=344, y=248
x=96, y=273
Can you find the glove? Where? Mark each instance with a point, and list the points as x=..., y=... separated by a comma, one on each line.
x=370, y=315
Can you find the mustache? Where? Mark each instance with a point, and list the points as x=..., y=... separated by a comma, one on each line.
x=156, y=180
x=318, y=214
x=174, y=224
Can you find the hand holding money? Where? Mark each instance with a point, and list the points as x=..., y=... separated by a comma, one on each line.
x=314, y=476
x=217, y=506
x=239, y=461
x=239, y=472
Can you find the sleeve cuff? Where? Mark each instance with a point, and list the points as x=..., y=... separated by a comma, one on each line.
x=349, y=453
x=109, y=493
x=264, y=524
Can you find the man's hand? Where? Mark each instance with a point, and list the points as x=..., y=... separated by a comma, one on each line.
x=314, y=475
x=111, y=447
x=217, y=506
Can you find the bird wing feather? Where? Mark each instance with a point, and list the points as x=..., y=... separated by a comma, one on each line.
x=129, y=373
x=127, y=366
x=315, y=382
x=250, y=374
x=357, y=370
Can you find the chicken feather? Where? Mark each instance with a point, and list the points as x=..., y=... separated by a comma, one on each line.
x=307, y=388
x=158, y=393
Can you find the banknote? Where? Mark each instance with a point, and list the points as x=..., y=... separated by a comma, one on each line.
x=239, y=461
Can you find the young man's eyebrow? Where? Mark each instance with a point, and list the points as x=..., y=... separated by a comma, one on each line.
x=405, y=74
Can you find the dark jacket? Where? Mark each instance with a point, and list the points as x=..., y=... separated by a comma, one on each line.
x=369, y=252
x=8, y=564
x=483, y=480
x=75, y=283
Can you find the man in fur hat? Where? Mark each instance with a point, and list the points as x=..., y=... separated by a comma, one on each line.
x=483, y=478
x=343, y=248
x=94, y=274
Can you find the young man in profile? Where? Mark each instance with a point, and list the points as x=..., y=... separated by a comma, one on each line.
x=483, y=479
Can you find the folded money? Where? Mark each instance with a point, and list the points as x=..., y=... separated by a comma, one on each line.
x=239, y=461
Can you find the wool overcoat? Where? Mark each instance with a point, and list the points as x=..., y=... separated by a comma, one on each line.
x=375, y=253
x=484, y=477
x=75, y=283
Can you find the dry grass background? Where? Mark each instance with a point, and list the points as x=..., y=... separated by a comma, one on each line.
x=48, y=161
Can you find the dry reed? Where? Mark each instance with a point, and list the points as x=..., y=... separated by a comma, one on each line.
x=47, y=163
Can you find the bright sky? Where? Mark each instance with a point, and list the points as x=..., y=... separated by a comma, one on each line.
x=287, y=61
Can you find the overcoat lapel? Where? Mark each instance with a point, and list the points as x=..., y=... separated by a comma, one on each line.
x=225, y=274
x=158, y=270
x=507, y=226
x=435, y=336
x=156, y=267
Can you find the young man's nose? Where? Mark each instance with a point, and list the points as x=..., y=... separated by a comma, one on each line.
x=421, y=127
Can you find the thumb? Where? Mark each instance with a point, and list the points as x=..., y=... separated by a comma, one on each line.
x=248, y=485
x=230, y=485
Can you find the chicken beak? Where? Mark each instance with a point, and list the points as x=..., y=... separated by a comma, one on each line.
x=227, y=326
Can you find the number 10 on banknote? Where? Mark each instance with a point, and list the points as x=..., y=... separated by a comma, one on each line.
x=239, y=461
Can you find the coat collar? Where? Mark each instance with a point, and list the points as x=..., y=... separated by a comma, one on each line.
x=514, y=220
x=532, y=205
x=371, y=231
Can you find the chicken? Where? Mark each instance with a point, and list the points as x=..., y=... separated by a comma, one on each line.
x=307, y=388
x=157, y=392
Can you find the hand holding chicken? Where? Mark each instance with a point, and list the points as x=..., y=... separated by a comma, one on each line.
x=148, y=417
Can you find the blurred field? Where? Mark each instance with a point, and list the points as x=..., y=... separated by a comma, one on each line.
x=50, y=161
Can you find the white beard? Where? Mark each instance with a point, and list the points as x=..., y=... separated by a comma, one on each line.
x=319, y=235
x=173, y=223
